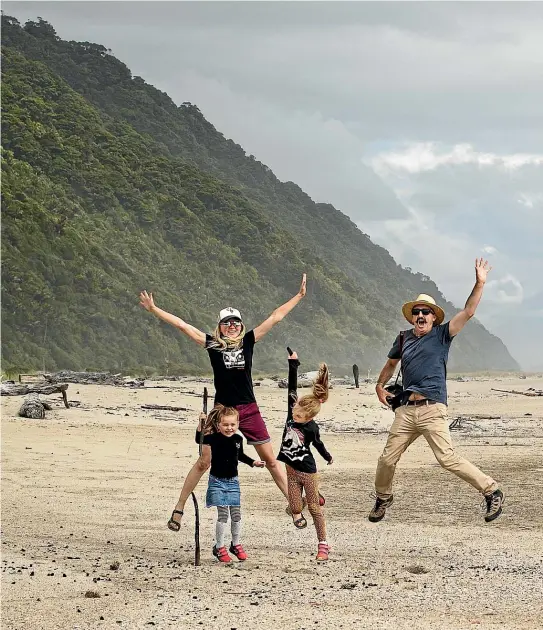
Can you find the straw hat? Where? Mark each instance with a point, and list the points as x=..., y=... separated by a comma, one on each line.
x=429, y=301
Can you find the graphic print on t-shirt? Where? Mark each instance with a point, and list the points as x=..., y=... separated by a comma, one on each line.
x=234, y=359
x=293, y=445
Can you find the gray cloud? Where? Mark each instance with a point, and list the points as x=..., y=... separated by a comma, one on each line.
x=318, y=90
x=451, y=71
x=463, y=202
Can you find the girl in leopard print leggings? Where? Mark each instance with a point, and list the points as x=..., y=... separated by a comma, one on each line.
x=300, y=432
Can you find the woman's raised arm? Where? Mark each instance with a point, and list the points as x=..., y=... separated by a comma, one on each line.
x=280, y=312
x=147, y=302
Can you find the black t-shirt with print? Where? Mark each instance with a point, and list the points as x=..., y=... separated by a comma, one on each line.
x=232, y=372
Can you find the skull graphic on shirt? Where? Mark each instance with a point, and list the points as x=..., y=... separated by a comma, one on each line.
x=234, y=359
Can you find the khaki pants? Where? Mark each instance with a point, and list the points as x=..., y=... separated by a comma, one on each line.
x=431, y=422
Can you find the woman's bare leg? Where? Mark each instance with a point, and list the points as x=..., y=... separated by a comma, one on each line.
x=265, y=452
x=192, y=479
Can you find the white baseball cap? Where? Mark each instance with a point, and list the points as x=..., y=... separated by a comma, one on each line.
x=229, y=312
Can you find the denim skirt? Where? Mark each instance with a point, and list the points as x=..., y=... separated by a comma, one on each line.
x=222, y=491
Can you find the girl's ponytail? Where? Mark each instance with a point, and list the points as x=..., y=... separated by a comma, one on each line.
x=211, y=425
x=311, y=403
x=320, y=386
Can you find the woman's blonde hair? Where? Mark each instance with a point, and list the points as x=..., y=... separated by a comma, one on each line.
x=211, y=425
x=310, y=404
x=226, y=343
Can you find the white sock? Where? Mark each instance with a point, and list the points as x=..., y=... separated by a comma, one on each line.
x=221, y=530
x=235, y=517
x=236, y=532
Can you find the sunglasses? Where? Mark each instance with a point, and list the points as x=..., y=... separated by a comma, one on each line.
x=424, y=311
x=232, y=322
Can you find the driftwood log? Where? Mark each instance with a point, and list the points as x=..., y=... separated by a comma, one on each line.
x=529, y=392
x=92, y=378
x=457, y=422
x=164, y=408
x=34, y=388
x=308, y=380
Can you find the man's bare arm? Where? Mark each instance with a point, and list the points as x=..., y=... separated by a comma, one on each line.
x=384, y=377
x=462, y=318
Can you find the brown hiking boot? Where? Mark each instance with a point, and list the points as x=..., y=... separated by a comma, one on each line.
x=379, y=509
x=494, y=502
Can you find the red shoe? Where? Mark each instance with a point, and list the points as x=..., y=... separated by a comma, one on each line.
x=238, y=551
x=322, y=553
x=322, y=500
x=221, y=554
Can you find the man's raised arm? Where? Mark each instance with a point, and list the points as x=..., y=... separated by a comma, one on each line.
x=462, y=318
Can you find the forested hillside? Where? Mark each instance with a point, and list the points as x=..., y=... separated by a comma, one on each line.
x=109, y=187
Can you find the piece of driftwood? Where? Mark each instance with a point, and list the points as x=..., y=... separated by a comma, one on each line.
x=164, y=408
x=356, y=374
x=477, y=416
x=308, y=380
x=93, y=378
x=457, y=422
x=529, y=392
x=33, y=388
x=32, y=408
x=32, y=377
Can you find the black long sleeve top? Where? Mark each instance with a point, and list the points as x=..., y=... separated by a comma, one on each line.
x=297, y=436
x=226, y=452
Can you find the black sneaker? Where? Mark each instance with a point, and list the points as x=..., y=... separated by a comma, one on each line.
x=494, y=502
x=379, y=509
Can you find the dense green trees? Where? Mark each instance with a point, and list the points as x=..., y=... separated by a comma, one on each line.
x=109, y=187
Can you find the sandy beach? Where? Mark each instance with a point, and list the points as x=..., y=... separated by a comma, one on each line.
x=86, y=494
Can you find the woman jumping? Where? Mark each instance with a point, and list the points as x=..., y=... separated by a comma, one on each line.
x=300, y=432
x=230, y=350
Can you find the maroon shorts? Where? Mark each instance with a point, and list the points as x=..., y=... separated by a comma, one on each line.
x=252, y=425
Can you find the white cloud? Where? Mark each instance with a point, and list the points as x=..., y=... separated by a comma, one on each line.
x=428, y=156
x=530, y=200
x=463, y=201
x=506, y=290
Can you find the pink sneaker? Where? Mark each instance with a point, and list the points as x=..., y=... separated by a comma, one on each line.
x=238, y=551
x=322, y=553
x=221, y=554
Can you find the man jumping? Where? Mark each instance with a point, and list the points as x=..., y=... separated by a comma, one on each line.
x=423, y=352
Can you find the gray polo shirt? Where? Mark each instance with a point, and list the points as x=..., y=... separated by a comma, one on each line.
x=424, y=362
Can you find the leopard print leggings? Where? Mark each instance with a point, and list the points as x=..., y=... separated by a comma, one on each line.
x=299, y=481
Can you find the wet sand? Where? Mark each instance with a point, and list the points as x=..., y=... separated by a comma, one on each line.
x=94, y=485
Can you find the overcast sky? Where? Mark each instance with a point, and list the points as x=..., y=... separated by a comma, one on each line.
x=442, y=101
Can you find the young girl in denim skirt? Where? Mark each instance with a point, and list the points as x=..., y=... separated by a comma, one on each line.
x=223, y=486
x=301, y=431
